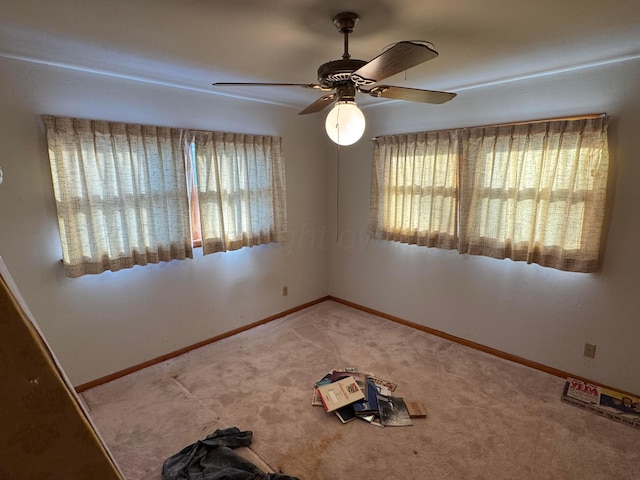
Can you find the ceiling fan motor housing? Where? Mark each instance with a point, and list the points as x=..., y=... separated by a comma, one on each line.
x=338, y=72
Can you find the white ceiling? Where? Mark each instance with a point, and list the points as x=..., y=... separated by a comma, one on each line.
x=192, y=43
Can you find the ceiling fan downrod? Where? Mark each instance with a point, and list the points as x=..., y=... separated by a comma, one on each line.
x=345, y=22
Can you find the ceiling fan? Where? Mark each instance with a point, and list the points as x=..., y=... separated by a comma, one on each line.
x=345, y=123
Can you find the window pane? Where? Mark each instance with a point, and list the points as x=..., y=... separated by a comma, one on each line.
x=536, y=192
x=241, y=190
x=120, y=194
x=414, y=189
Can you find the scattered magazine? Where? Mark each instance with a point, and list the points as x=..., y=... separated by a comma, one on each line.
x=346, y=413
x=352, y=393
x=339, y=393
x=393, y=412
x=359, y=377
x=315, y=400
x=384, y=386
x=369, y=405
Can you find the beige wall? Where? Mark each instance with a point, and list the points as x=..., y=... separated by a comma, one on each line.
x=541, y=314
x=100, y=324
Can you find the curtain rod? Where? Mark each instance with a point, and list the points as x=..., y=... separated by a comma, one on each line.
x=561, y=119
x=587, y=116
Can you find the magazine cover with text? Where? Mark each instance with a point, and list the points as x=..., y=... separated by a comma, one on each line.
x=614, y=405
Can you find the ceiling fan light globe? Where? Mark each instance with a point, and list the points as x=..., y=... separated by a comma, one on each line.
x=345, y=123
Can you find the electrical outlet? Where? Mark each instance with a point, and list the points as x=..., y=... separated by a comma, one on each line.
x=285, y=291
x=589, y=350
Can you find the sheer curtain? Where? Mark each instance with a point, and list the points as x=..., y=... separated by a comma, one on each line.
x=120, y=193
x=241, y=190
x=536, y=192
x=414, y=188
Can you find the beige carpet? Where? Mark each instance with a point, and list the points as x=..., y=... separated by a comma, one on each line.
x=488, y=418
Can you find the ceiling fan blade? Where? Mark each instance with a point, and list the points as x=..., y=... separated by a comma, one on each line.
x=319, y=104
x=395, y=59
x=410, y=94
x=241, y=84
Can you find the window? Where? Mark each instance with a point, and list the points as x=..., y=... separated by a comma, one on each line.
x=241, y=190
x=194, y=206
x=529, y=192
x=414, y=189
x=124, y=193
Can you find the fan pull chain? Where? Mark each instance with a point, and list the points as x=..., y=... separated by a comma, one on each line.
x=337, y=193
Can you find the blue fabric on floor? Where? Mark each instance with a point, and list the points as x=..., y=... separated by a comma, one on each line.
x=214, y=459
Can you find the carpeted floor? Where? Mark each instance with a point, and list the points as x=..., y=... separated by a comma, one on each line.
x=488, y=418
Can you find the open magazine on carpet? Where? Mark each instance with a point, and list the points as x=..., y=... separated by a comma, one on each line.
x=611, y=404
